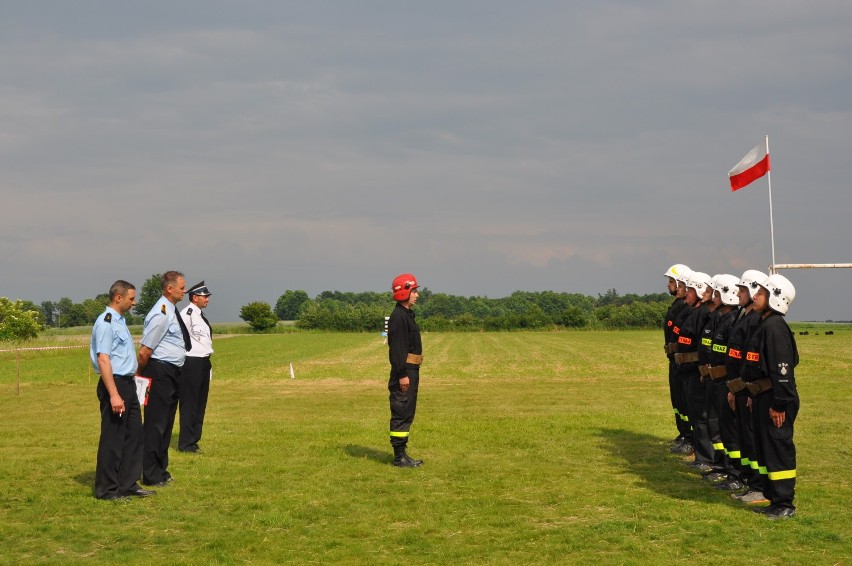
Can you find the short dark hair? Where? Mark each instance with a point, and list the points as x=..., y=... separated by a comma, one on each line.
x=120, y=287
x=169, y=278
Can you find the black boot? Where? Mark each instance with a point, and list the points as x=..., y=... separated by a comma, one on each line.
x=402, y=460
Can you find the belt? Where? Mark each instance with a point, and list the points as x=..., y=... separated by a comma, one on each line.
x=704, y=370
x=671, y=347
x=131, y=376
x=759, y=386
x=170, y=364
x=685, y=357
x=415, y=359
x=718, y=372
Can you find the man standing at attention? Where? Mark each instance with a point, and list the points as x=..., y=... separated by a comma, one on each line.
x=196, y=372
x=165, y=341
x=113, y=356
x=405, y=352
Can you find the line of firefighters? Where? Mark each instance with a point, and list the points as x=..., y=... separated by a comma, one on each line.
x=731, y=378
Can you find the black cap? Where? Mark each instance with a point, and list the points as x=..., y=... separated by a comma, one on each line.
x=199, y=289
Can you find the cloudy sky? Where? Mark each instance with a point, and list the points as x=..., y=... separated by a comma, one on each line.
x=486, y=146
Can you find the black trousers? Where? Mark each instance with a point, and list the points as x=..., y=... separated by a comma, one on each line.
x=728, y=430
x=119, y=463
x=676, y=394
x=194, y=388
x=402, y=407
x=748, y=448
x=776, y=451
x=697, y=410
x=712, y=410
x=159, y=419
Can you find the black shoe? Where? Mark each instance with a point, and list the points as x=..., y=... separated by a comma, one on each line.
x=163, y=483
x=114, y=497
x=700, y=466
x=730, y=485
x=685, y=449
x=775, y=513
x=405, y=462
x=762, y=510
x=191, y=450
x=715, y=477
x=141, y=493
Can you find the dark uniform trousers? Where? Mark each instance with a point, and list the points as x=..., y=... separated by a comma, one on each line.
x=403, y=405
x=678, y=403
x=711, y=408
x=697, y=410
x=120, y=447
x=728, y=430
x=159, y=419
x=194, y=389
x=776, y=451
x=748, y=446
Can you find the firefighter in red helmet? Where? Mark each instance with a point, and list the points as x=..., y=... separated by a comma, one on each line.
x=406, y=355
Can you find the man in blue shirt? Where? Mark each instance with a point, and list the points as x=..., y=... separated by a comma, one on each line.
x=165, y=341
x=113, y=357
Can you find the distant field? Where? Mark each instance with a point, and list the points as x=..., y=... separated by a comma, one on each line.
x=545, y=447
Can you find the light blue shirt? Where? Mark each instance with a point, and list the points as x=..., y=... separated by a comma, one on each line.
x=111, y=336
x=162, y=333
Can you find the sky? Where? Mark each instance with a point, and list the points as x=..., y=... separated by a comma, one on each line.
x=485, y=146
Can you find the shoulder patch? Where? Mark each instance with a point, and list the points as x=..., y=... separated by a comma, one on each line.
x=189, y=312
x=108, y=317
x=163, y=310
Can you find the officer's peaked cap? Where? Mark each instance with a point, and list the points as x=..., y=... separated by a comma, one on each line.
x=199, y=289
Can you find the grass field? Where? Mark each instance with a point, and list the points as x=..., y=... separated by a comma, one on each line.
x=539, y=448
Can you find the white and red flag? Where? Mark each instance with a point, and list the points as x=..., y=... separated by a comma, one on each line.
x=751, y=167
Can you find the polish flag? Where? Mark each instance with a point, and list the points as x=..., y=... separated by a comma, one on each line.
x=751, y=167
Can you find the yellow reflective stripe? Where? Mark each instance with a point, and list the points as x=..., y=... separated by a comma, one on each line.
x=785, y=475
x=763, y=471
x=721, y=348
x=706, y=342
x=398, y=434
x=753, y=465
x=734, y=454
x=718, y=446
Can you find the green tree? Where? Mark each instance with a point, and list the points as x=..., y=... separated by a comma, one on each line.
x=148, y=295
x=289, y=304
x=17, y=322
x=259, y=315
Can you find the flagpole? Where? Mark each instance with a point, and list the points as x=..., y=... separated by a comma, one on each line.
x=771, y=224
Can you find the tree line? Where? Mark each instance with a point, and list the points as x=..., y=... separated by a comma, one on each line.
x=366, y=311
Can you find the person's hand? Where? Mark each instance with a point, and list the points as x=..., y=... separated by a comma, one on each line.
x=732, y=401
x=777, y=417
x=404, y=382
x=117, y=404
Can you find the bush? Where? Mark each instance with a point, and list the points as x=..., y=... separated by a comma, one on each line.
x=259, y=315
x=16, y=322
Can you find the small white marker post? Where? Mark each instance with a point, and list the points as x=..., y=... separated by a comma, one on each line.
x=292, y=374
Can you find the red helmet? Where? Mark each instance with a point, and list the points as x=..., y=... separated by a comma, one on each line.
x=402, y=286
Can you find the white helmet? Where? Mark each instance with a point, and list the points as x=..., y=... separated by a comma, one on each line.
x=726, y=284
x=698, y=281
x=781, y=292
x=677, y=271
x=752, y=280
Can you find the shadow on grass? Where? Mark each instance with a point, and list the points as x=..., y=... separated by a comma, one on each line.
x=379, y=456
x=648, y=458
x=86, y=479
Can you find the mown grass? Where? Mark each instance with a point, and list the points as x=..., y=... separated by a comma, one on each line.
x=539, y=448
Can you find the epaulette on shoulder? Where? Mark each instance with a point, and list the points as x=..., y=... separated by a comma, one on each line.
x=188, y=312
x=108, y=317
x=163, y=310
